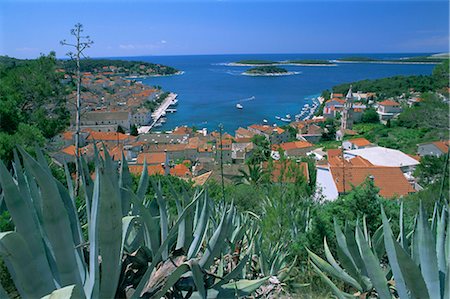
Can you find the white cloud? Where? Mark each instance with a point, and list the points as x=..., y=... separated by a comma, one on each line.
x=163, y=41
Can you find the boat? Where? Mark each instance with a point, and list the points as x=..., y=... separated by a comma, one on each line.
x=174, y=102
x=277, y=117
x=287, y=120
x=239, y=106
x=265, y=121
x=288, y=116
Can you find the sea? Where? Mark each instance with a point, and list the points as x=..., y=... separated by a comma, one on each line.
x=209, y=88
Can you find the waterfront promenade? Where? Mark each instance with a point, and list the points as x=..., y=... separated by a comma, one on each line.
x=161, y=110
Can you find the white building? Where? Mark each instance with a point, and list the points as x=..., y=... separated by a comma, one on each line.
x=382, y=156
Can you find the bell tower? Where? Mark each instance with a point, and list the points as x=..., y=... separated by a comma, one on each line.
x=347, y=113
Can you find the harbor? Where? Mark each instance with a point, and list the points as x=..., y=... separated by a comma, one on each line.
x=158, y=116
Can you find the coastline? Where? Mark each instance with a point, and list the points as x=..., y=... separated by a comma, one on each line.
x=150, y=76
x=387, y=62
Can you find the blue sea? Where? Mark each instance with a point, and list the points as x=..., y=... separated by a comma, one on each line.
x=209, y=89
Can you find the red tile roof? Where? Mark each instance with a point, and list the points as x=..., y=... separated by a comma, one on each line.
x=151, y=158
x=360, y=141
x=180, y=170
x=152, y=169
x=293, y=145
x=108, y=136
x=388, y=103
x=390, y=180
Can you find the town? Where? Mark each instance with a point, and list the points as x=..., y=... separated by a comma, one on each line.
x=121, y=116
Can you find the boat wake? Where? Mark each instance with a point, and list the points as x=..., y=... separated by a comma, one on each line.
x=245, y=100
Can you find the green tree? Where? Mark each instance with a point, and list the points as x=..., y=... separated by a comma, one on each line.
x=120, y=129
x=133, y=130
x=32, y=103
x=370, y=115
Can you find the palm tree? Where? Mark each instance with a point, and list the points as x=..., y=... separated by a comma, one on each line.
x=256, y=175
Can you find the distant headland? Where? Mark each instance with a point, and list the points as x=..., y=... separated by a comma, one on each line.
x=300, y=62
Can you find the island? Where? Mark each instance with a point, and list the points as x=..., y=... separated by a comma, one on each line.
x=124, y=68
x=267, y=71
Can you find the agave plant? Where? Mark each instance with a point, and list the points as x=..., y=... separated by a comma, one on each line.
x=128, y=246
x=417, y=264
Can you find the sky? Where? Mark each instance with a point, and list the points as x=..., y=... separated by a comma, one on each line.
x=169, y=27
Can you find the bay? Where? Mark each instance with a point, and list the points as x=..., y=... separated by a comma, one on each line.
x=209, y=89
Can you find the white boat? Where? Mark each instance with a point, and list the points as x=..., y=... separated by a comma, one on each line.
x=287, y=120
x=288, y=116
x=239, y=106
x=265, y=121
x=277, y=117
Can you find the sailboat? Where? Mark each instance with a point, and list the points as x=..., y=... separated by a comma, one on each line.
x=239, y=106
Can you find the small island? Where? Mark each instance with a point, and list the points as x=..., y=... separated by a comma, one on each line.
x=267, y=71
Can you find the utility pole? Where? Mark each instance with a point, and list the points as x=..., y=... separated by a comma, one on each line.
x=221, y=161
x=81, y=43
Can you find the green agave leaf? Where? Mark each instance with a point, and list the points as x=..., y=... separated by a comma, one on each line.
x=245, y=286
x=92, y=287
x=182, y=228
x=151, y=234
x=199, y=230
x=338, y=293
x=440, y=242
x=411, y=274
x=143, y=183
x=127, y=226
x=163, y=218
x=339, y=274
x=87, y=185
x=372, y=264
x=109, y=228
x=236, y=272
x=346, y=257
x=69, y=292
x=353, y=248
x=402, y=234
x=55, y=220
x=392, y=255
x=216, y=242
x=157, y=255
x=125, y=182
x=378, y=242
x=427, y=256
x=69, y=182
x=197, y=274
x=350, y=280
x=23, y=266
x=26, y=225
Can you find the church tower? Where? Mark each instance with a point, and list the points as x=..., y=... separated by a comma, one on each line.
x=347, y=113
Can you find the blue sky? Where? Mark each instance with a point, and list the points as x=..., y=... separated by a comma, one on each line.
x=137, y=27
